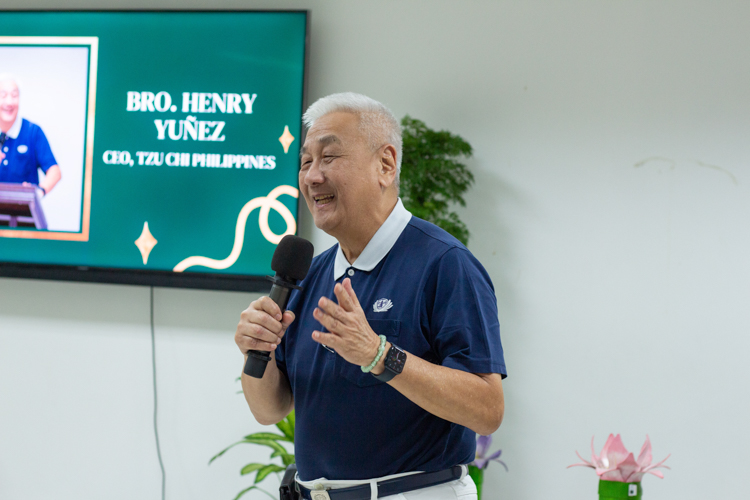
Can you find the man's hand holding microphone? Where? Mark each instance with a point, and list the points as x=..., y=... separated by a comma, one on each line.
x=262, y=326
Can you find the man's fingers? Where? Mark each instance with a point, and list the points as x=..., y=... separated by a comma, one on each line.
x=287, y=319
x=258, y=345
x=258, y=332
x=252, y=316
x=331, y=308
x=345, y=300
x=328, y=339
x=261, y=326
x=252, y=336
x=328, y=321
x=350, y=292
x=269, y=306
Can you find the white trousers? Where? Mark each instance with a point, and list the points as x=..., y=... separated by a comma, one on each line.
x=459, y=489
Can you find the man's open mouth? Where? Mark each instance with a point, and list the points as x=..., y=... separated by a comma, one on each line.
x=323, y=199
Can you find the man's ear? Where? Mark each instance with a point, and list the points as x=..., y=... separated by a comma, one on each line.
x=388, y=166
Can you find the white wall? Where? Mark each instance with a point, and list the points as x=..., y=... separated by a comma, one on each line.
x=611, y=158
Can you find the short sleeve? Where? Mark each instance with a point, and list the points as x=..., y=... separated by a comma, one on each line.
x=464, y=329
x=44, y=157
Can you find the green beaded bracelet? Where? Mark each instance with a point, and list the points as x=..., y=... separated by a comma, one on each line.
x=366, y=369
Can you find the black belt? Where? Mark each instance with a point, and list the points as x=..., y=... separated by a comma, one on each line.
x=390, y=486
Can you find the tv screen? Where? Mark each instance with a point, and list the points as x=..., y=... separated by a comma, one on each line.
x=153, y=148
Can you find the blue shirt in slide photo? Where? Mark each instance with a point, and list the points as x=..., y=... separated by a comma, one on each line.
x=428, y=295
x=25, y=154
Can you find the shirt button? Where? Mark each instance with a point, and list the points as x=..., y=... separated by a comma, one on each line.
x=5, y=162
x=350, y=272
x=5, y=149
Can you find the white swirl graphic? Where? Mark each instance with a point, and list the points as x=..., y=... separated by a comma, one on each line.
x=265, y=203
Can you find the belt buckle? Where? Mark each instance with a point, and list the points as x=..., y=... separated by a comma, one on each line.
x=319, y=493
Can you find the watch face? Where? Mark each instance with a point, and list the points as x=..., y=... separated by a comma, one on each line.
x=396, y=359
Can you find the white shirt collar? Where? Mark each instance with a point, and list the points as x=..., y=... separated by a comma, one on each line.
x=15, y=128
x=378, y=246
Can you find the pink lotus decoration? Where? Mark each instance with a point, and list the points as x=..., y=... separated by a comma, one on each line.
x=615, y=463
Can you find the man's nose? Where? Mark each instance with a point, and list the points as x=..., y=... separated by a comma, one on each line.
x=314, y=174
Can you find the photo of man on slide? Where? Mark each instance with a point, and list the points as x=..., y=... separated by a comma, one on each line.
x=24, y=147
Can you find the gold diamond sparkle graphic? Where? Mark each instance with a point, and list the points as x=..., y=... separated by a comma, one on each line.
x=145, y=242
x=286, y=139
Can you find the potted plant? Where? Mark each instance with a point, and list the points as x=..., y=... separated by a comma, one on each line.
x=619, y=472
x=433, y=177
x=274, y=441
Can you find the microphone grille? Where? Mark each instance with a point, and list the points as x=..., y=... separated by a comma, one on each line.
x=293, y=257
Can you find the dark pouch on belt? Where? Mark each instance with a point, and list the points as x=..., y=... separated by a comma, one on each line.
x=288, y=489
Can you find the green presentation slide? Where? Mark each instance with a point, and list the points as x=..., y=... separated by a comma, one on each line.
x=150, y=141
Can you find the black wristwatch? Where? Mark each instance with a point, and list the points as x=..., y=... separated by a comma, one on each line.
x=394, y=364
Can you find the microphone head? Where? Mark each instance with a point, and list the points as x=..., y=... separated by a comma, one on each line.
x=292, y=257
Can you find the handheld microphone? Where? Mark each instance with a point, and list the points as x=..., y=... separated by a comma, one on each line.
x=291, y=261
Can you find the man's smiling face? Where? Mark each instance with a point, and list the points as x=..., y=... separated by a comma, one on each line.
x=8, y=101
x=338, y=173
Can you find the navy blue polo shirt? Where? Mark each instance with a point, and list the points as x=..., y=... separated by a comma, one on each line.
x=26, y=153
x=429, y=296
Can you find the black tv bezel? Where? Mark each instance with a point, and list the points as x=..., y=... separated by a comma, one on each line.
x=170, y=279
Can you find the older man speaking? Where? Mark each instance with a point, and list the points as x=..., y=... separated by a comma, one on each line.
x=391, y=353
x=25, y=148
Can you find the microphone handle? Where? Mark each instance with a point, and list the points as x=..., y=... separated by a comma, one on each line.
x=257, y=360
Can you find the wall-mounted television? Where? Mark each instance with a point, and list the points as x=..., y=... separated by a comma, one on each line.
x=151, y=147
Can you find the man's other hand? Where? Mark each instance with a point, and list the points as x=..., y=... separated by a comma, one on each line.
x=350, y=333
x=262, y=326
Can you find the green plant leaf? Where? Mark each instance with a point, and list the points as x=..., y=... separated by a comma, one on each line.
x=433, y=177
x=287, y=458
x=265, y=442
x=251, y=468
x=290, y=418
x=287, y=429
x=287, y=426
x=224, y=451
x=265, y=471
x=269, y=435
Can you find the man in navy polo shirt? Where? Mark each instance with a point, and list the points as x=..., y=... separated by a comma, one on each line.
x=25, y=149
x=391, y=353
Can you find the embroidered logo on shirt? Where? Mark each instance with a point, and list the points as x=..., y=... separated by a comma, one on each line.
x=382, y=305
x=22, y=148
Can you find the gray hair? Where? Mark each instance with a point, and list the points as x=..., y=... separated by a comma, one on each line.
x=376, y=121
x=8, y=77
